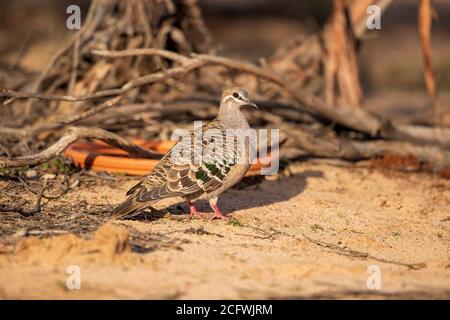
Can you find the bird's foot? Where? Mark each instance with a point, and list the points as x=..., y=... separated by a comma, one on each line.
x=218, y=214
x=193, y=212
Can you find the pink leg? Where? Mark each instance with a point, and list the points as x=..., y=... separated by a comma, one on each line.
x=193, y=211
x=217, y=212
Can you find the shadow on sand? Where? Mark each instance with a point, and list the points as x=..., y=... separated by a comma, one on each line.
x=263, y=194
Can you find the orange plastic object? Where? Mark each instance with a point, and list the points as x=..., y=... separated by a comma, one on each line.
x=100, y=156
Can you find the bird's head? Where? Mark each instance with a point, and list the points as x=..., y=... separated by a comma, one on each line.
x=235, y=97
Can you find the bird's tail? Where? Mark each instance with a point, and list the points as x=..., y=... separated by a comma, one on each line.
x=129, y=208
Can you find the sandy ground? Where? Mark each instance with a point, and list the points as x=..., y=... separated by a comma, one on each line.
x=312, y=234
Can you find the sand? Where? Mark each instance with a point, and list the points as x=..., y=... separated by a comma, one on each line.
x=312, y=233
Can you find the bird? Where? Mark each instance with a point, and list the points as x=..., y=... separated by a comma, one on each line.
x=202, y=175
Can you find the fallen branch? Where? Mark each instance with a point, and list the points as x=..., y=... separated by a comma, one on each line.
x=330, y=146
x=70, y=136
x=78, y=117
x=354, y=118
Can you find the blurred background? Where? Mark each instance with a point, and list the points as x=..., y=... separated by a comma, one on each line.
x=390, y=60
x=353, y=189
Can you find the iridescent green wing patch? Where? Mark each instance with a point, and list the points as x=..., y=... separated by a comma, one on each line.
x=215, y=171
x=201, y=175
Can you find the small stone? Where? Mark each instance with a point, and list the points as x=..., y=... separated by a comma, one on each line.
x=48, y=176
x=31, y=173
x=20, y=233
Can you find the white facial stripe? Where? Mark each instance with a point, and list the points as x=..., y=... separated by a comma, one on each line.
x=231, y=98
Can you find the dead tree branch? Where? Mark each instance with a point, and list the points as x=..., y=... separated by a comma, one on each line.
x=77, y=117
x=330, y=146
x=73, y=134
x=354, y=118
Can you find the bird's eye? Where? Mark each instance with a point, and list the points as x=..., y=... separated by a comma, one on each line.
x=236, y=95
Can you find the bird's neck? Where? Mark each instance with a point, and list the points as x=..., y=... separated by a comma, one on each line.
x=232, y=117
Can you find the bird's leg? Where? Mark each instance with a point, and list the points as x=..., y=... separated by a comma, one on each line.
x=193, y=211
x=217, y=212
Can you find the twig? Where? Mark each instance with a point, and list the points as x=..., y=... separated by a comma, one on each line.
x=45, y=232
x=349, y=252
x=70, y=136
x=93, y=18
x=66, y=189
x=75, y=62
x=18, y=132
x=24, y=212
x=23, y=50
x=84, y=115
x=333, y=247
x=63, y=121
x=143, y=52
x=425, y=21
x=242, y=66
x=360, y=254
x=140, y=81
x=5, y=151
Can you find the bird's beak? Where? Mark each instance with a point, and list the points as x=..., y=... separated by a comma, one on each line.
x=251, y=104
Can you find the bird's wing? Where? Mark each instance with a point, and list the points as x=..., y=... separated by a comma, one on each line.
x=180, y=175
